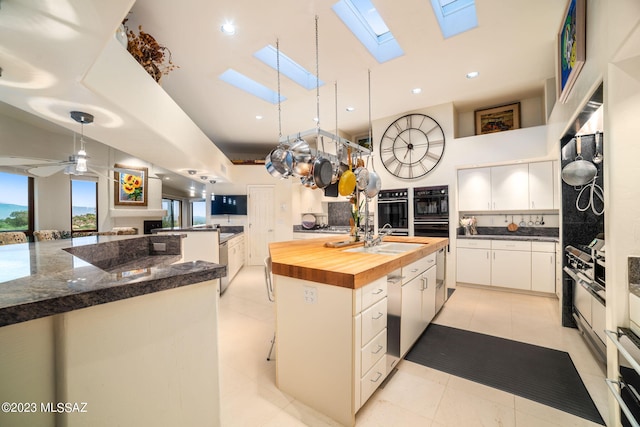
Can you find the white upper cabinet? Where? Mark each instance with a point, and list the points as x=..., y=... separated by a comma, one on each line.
x=541, y=185
x=517, y=187
x=474, y=189
x=510, y=187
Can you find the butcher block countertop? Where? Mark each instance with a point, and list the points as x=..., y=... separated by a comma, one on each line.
x=310, y=260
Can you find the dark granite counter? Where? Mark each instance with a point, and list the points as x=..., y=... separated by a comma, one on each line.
x=51, y=277
x=226, y=232
x=534, y=234
x=334, y=229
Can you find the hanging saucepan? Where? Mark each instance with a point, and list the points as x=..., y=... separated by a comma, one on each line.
x=579, y=172
x=322, y=171
x=282, y=160
x=301, y=158
x=347, y=182
x=362, y=178
x=270, y=167
x=373, y=185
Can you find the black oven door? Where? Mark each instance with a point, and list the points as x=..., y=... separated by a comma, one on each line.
x=393, y=212
x=431, y=228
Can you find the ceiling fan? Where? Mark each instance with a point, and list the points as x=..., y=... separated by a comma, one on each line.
x=75, y=165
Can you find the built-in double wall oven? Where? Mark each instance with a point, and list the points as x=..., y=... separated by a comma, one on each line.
x=393, y=209
x=431, y=211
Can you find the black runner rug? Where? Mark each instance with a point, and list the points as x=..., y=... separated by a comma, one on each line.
x=536, y=373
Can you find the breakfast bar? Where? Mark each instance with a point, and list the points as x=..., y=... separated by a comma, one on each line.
x=107, y=330
x=334, y=309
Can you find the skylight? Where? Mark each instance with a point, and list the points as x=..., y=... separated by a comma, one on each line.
x=250, y=86
x=364, y=21
x=455, y=16
x=288, y=67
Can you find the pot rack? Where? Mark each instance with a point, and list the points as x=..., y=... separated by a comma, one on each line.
x=320, y=132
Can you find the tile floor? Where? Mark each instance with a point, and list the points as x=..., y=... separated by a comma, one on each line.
x=416, y=395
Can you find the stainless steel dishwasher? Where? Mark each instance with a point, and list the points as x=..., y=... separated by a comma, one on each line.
x=224, y=260
x=441, y=282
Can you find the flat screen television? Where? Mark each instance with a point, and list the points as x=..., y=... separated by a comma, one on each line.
x=223, y=204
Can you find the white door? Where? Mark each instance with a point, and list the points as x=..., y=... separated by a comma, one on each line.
x=511, y=269
x=543, y=271
x=429, y=296
x=510, y=187
x=262, y=221
x=541, y=185
x=474, y=189
x=473, y=266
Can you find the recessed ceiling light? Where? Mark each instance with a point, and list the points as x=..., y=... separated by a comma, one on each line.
x=473, y=75
x=258, y=117
x=416, y=90
x=351, y=109
x=228, y=28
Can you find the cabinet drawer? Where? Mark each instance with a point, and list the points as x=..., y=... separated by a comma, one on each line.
x=412, y=270
x=372, y=380
x=373, y=351
x=474, y=243
x=543, y=247
x=511, y=245
x=373, y=292
x=374, y=320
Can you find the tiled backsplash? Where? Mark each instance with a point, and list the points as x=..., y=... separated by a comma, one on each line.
x=339, y=213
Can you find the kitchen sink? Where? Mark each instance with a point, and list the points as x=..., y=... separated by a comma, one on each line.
x=391, y=248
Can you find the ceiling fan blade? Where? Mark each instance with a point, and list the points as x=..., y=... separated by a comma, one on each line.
x=24, y=161
x=45, y=171
x=103, y=175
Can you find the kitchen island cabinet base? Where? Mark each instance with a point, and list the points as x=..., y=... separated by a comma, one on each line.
x=147, y=360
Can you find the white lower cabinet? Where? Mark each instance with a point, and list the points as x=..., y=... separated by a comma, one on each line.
x=543, y=267
x=418, y=302
x=513, y=264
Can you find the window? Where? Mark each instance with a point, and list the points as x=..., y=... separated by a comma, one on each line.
x=172, y=218
x=199, y=213
x=84, y=205
x=16, y=202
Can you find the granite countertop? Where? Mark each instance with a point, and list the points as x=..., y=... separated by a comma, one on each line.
x=45, y=278
x=533, y=234
x=226, y=232
x=332, y=229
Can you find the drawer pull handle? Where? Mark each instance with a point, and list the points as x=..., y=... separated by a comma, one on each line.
x=378, y=349
x=379, y=291
x=377, y=378
x=379, y=316
x=414, y=270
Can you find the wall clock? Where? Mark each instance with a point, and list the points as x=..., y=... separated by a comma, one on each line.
x=412, y=146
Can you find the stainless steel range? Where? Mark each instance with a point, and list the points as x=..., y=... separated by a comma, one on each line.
x=589, y=298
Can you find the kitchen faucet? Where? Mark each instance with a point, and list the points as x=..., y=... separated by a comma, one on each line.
x=369, y=241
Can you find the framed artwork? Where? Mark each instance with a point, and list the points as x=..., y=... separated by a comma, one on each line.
x=498, y=119
x=130, y=186
x=571, y=47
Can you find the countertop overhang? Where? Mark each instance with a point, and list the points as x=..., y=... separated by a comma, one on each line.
x=310, y=260
x=45, y=278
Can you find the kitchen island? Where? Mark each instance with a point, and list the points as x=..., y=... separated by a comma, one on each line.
x=331, y=316
x=107, y=330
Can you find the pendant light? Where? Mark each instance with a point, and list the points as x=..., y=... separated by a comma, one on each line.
x=81, y=157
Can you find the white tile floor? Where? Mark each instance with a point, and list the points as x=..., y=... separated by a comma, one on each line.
x=416, y=395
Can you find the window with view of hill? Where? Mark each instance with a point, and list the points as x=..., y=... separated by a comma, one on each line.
x=16, y=202
x=198, y=213
x=84, y=205
x=172, y=218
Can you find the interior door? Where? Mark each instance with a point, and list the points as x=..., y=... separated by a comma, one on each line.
x=261, y=212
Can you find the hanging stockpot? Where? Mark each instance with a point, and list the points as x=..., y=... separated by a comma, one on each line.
x=579, y=172
x=279, y=162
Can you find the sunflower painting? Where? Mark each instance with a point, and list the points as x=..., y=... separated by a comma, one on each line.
x=130, y=185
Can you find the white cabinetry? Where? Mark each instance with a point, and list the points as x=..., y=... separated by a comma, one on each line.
x=418, y=300
x=474, y=262
x=474, y=189
x=511, y=264
x=522, y=186
x=543, y=267
x=510, y=187
x=235, y=246
x=541, y=185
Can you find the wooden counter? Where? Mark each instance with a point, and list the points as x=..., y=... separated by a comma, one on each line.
x=310, y=260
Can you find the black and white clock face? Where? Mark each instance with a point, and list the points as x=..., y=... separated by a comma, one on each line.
x=412, y=146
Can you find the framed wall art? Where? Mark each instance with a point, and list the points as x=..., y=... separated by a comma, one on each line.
x=498, y=119
x=571, y=47
x=130, y=186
